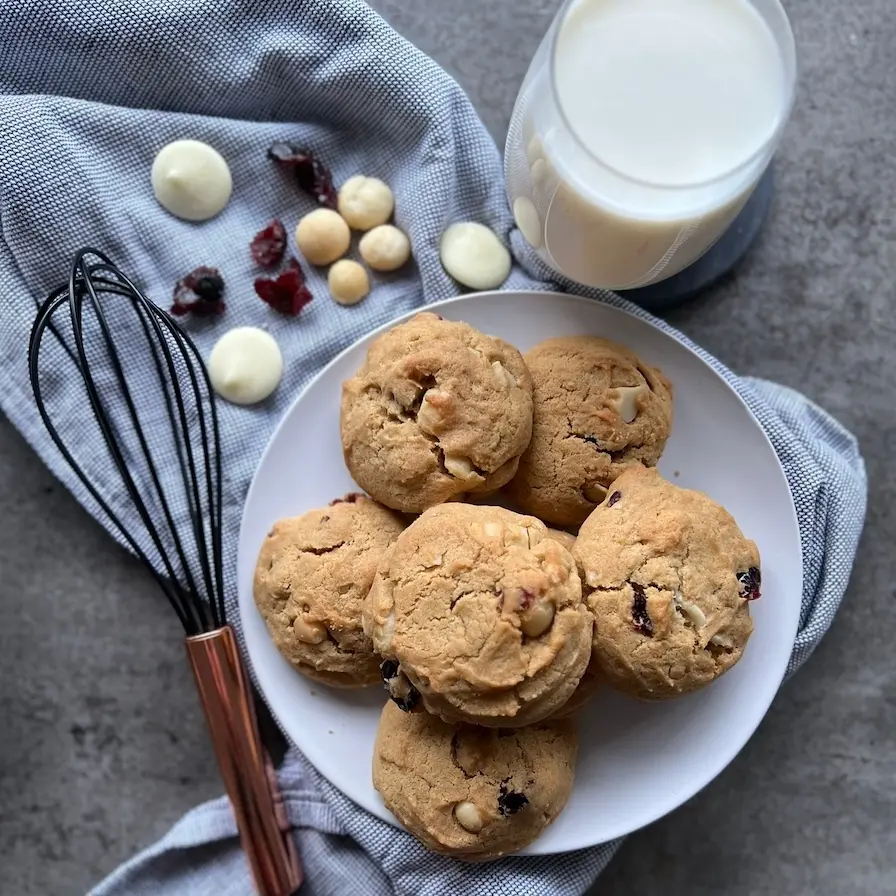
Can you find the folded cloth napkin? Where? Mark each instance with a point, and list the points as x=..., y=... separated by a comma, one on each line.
x=90, y=92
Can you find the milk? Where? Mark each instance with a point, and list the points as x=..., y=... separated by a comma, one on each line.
x=642, y=129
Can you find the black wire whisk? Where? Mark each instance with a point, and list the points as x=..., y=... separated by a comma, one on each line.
x=119, y=366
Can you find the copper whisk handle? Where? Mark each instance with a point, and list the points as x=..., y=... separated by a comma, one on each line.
x=244, y=763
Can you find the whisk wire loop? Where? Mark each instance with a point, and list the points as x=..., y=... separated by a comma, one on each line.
x=181, y=513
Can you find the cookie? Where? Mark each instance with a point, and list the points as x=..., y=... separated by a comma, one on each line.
x=311, y=579
x=567, y=539
x=669, y=576
x=469, y=792
x=598, y=409
x=437, y=410
x=589, y=685
x=482, y=614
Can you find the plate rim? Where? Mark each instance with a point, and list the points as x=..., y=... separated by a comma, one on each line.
x=246, y=606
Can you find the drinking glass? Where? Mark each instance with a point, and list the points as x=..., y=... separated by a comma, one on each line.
x=590, y=221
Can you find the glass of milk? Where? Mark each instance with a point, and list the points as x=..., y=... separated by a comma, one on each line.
x=642, y=128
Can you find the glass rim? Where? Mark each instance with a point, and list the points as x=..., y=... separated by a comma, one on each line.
x=790, y=75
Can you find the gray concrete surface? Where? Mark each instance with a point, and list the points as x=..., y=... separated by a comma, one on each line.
x=101, y=744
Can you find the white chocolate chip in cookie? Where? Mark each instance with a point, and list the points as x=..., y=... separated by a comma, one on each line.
x=503, y=376
x=309, y=632
x=625, y=399
x=474, y=256
x=516, y=536
x=430, y=415
x=537, y=618
x=382, y=635
x=468, y=817
x=460, y=467
x=693, y=613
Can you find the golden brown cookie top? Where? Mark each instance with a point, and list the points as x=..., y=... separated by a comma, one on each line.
x=483, y=613
x=311, y=579
x=437, y=409
x=471, y=792
x=668, y=575
x=598, y=408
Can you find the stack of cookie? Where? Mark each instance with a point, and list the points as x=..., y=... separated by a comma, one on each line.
x=491, y=630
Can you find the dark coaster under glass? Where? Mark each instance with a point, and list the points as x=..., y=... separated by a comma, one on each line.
x=718, y=261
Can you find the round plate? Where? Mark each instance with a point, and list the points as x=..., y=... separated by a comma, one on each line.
x=637, y=761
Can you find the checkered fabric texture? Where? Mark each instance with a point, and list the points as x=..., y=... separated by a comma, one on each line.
x=90, y=92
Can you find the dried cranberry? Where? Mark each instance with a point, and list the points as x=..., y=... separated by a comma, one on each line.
x=401, y=692
x=268, y=245
x=350, y=498
x=614, y=499
x=201, y=293
x=388, y=669
x=312, y=176
x=748, y=583
x=640, y=616
x=511, y=801
x=286, y=292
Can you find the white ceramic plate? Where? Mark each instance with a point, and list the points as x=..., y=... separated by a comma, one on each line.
x=637, y=761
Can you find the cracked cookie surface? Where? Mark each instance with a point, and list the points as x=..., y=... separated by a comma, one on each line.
x=483, y=613
x=311, y=579
x=470, y=792
x=437, y=410
x=598, y=409
x=668, y=576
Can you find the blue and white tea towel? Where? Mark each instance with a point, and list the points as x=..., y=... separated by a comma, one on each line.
x=90, y=92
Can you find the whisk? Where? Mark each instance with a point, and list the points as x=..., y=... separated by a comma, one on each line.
x=121, y=367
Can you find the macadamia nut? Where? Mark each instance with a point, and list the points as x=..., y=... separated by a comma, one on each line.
x=348, y=282
x=365, y=202
x=385, y=248
x=474, y=256
x=323, y=236
x=468, y=816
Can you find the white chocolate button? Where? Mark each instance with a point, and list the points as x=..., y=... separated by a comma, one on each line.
x=534, y=149
x=245, y=365
x=323, y=236
x=385, y=248
x=541, y=174
x=365, y=202
x=474, y=256
x=191, y=180
x=348, y=282
x=526, y=216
